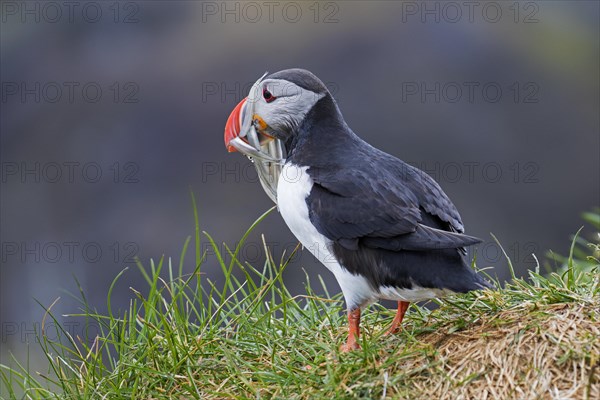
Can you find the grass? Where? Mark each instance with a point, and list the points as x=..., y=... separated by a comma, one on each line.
x=185, y=337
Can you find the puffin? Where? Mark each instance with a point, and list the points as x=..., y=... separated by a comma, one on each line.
x=385, y=229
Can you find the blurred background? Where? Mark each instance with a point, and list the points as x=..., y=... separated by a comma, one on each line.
x=112, y=112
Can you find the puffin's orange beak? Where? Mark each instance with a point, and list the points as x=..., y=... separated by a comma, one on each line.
x=234, y=124
x=233, y=129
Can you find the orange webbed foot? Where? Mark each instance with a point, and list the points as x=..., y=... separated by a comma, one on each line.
x=353, y=331
x=397, y=322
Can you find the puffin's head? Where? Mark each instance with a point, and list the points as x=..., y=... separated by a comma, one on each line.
x=276, y=105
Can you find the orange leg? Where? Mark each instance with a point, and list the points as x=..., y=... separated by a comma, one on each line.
x=353, y=331
x=395, y=328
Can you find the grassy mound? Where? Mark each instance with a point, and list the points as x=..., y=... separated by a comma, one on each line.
x=533, y=350
x=249, y=337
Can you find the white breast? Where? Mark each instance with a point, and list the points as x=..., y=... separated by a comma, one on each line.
x=294, y=186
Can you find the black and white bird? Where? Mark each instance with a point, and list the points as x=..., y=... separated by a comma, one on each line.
x=384, y=228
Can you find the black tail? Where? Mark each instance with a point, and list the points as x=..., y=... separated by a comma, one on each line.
x=438, y=269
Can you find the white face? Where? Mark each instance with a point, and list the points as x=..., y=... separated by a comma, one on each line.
x=281, y=104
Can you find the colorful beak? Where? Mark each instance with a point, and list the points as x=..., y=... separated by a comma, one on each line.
x=234, y=124
x=240, y=134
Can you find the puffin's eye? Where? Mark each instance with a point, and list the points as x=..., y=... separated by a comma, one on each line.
x=268, y=96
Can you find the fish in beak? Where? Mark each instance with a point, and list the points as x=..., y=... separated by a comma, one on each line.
x=245, y=132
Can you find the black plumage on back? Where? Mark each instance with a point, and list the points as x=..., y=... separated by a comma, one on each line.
x=388, y=221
